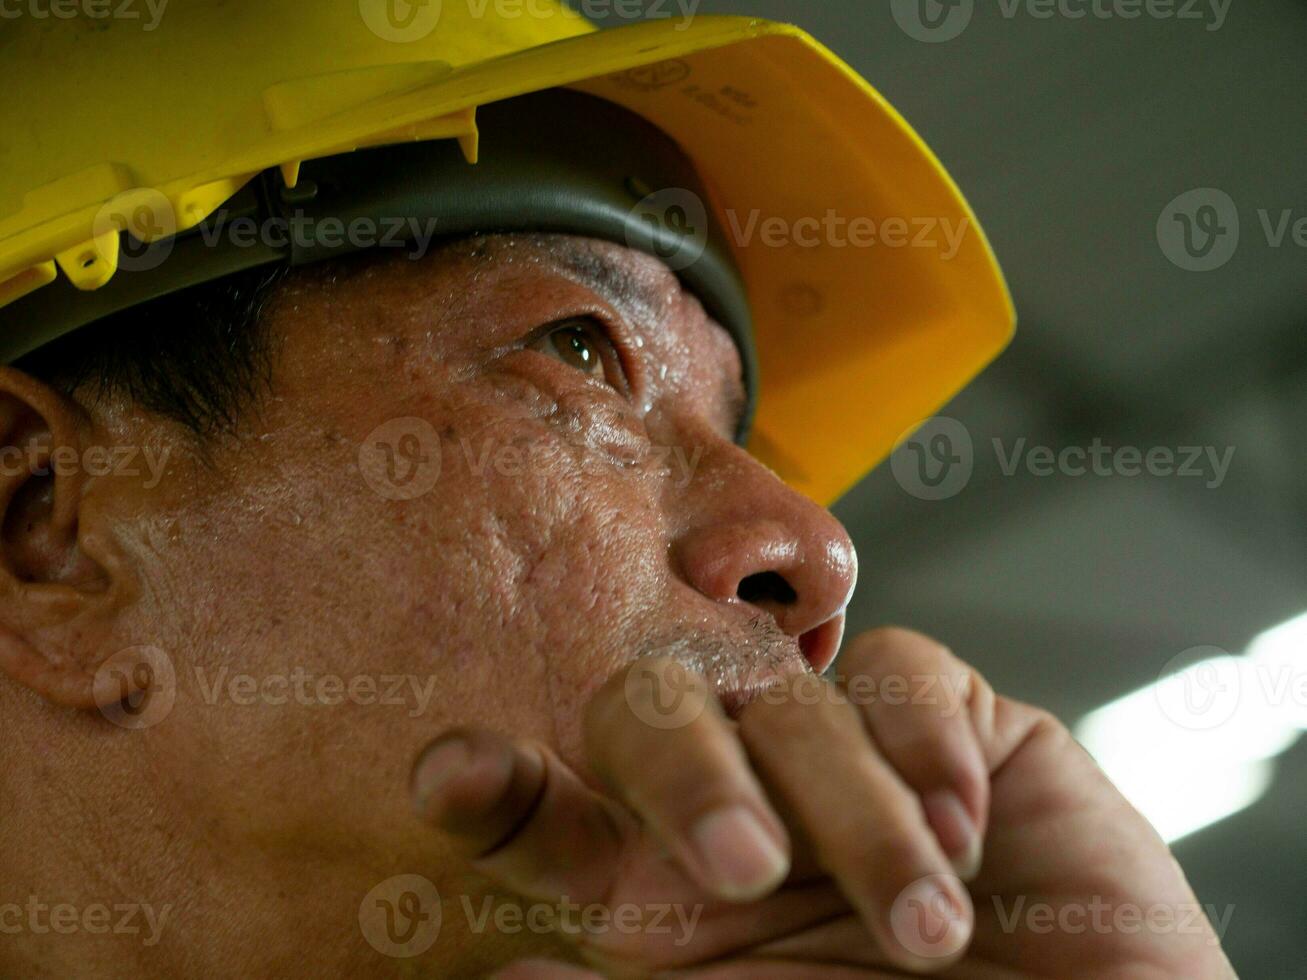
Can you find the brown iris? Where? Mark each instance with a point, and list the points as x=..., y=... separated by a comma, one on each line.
x=584, y=344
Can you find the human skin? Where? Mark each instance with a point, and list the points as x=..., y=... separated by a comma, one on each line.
x=520, y=590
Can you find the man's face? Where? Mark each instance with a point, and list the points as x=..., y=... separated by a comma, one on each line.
x=483, y=483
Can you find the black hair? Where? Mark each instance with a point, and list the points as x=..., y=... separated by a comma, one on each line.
x=199, y=357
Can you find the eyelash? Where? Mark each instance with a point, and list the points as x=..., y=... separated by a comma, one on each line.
x=615, y=340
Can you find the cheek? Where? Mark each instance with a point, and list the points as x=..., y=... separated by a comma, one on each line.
x=552, y=552
x=551, y=507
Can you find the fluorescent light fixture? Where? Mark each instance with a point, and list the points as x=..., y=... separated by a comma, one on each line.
x=1197, y=745
x=1180, y=799
x=1281, y=658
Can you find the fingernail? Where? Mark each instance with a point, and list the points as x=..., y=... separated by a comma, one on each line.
x=742, y=859
x=955, y=830
x=438, y=764
x=931, y=918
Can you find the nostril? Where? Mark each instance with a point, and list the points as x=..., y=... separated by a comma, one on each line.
x=766, y=586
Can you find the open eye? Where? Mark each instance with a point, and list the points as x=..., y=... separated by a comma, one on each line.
x=583, y=343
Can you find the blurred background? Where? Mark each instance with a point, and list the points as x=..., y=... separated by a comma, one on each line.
x=1078, y=142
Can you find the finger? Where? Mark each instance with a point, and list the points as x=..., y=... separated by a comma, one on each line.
x=760, y=968
x=864, y=823
x=915, y=696
x=543, y=970
x=521, y=815
x=757, y=968
x=660, y=740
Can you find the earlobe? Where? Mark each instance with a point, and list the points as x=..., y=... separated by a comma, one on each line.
x=61, y=584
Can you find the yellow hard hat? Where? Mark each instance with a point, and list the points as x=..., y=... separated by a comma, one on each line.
x=873, y=292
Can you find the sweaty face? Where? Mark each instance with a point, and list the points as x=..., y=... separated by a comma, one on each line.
x=484, y=482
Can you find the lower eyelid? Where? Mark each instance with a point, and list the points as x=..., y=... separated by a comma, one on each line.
x=625, y=358
x=619, y=356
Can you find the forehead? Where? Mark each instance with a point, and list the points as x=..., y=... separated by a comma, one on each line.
x=482, y=294
x=641, y=288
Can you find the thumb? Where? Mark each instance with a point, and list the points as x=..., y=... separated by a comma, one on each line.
x=520, y=815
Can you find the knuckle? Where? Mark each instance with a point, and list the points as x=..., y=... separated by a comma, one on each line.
x=900, y=850
x=895, y=643
x=879, y=858
x=640, y=693
x=771, y=715
x=810, y=708
x=1047, y=724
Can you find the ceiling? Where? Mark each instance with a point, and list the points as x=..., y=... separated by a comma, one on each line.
x=1070, y=138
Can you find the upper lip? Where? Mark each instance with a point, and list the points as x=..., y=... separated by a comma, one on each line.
x=736, y=683
x=813, y=653
x=821, y=643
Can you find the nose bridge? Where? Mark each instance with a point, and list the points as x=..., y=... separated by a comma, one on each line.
x=747, y=537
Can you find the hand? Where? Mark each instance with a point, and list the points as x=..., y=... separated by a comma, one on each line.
x=826, y=832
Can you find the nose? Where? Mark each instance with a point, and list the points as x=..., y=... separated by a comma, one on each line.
x=748, y=538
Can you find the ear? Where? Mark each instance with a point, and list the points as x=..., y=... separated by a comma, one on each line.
x=63, y=582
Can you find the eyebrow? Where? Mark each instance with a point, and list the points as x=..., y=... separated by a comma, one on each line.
x=605, y=277
x=621, y=289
